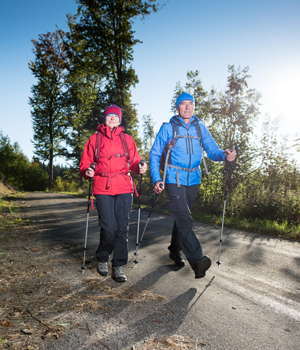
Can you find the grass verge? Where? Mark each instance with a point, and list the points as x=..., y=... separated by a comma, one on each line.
x=9, y=215
x=268, y=227
x=265, y=226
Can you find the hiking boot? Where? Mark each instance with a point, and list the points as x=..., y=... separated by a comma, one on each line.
x=176, y=257
x=117, y=274
x=202, y=265
x=102, y=268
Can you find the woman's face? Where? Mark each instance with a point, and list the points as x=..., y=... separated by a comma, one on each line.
x=112, y=121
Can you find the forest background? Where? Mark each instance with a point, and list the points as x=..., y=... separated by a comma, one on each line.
x=80, y=71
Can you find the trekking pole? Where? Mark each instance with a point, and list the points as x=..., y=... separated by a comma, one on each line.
x=148, y=218
x=224, y=206
x=87, y=220
x=139, y=218
x=205, y=166
x=161, y=186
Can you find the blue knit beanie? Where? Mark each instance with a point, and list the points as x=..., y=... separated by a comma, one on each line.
x=182, y=97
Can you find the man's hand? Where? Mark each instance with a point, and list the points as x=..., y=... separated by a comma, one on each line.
x=143, y=167
x=159, y=187
x=230, y=155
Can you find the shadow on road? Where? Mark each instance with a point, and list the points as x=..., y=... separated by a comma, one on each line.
x=162, y=322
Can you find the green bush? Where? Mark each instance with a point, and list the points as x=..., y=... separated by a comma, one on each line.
x=16, y=169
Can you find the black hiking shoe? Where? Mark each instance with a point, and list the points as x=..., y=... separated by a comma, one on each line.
x=202, y=265
x=102, y=268
x=118, y=275
x=176, y=257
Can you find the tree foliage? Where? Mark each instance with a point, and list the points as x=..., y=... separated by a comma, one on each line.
x=82, y=90
x=82, y=71
x=263, y=182
x=148, y=133
x=47, y=100
x=105, y=28
x=272, y=189
x=17, y=170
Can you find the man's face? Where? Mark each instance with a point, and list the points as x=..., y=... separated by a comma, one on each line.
x=185, y=110
x=112, y=121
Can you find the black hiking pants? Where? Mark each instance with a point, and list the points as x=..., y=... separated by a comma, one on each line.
x=114, y=214
x=183, y=237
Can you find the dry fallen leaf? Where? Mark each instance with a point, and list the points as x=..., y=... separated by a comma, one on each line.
x=26, y=331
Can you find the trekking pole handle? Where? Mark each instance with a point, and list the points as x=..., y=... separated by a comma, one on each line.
x=161, y=186
x=142, y=162
x=231, y=150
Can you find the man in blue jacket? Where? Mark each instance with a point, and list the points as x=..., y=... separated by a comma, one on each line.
x=182, y=177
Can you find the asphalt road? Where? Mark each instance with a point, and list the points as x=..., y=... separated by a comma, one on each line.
x=251, y=301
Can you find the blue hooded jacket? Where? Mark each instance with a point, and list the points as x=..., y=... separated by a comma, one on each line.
x=186, y=153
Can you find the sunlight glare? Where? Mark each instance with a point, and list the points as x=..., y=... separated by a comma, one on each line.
x=283, y=94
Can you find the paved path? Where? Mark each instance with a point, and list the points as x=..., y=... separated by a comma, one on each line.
x=252, y=301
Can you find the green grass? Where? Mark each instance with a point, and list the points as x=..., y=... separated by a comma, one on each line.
x=268, y=227
x=9, y=218
x=76, y=194
x=273, y=228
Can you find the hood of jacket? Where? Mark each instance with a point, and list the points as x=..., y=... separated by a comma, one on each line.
x=106, y=131
x=178, y=120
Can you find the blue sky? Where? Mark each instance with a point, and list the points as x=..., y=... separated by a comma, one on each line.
x=204, y=35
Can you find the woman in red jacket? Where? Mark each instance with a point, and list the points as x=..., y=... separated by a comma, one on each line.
x=114, y=155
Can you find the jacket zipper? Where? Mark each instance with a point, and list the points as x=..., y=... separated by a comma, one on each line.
x=190, y=155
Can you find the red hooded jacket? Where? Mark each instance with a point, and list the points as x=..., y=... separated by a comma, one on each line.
x=112, y=172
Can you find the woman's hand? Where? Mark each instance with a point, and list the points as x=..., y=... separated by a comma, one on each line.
x=143, y=167
x=90, y=172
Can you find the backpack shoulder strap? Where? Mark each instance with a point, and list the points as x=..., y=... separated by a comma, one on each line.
x=199, y=132
x=125, y=146
x=173, y=141
x=97, y=146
